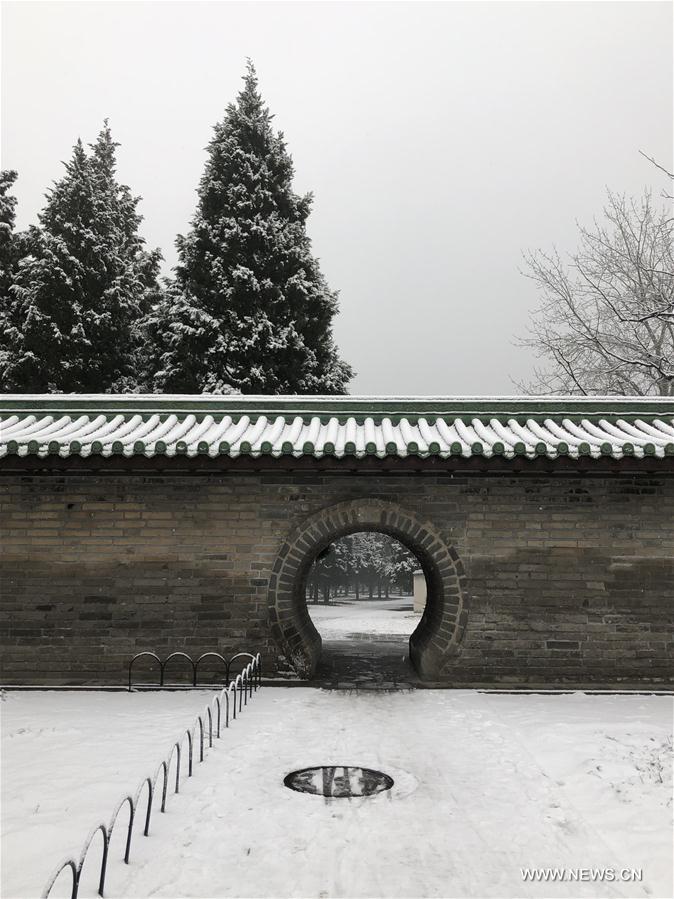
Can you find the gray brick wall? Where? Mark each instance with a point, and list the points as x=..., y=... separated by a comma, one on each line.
x=568, y=577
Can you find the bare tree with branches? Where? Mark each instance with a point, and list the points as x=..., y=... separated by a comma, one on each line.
x=665, y=171
x=605, y=324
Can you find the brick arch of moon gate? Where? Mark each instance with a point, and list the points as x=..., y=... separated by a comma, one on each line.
x=435, y=642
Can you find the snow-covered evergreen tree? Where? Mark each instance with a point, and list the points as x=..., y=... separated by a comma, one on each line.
x=7, y=208
x=368, y=558
x=249, y=309
x=10, y=243
x=83, y=287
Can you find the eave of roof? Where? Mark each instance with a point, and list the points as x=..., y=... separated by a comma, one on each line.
x=234, y=426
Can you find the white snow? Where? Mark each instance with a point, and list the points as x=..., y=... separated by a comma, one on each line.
x=67, y=758
x=342, y=618
x=240, y=423
x=484, y=784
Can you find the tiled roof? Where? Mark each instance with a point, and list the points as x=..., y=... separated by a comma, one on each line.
x=151, y=425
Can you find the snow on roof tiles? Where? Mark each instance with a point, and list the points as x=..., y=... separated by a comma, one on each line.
x=150, y=425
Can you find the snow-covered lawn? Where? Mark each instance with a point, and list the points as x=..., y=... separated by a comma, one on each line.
x=67, y=758
x=344, y=619
x=485, y=784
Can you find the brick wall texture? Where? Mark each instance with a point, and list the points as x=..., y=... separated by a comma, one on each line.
x=568, y=579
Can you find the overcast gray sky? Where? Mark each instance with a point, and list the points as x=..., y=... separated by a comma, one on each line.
x=439, y=139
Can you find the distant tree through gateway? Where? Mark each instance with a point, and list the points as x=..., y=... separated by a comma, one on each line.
x=365, y=565
x=359, y=597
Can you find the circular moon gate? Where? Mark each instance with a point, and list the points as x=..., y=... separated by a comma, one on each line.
x=338, y=781
x=435, y=643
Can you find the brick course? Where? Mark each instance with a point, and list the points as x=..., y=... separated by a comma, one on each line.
x=566, y=578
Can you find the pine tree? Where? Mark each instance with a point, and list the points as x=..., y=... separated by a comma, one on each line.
x=10, y=243
x=369, y=557
x=7, y=209
x=249, y=310
x=83, y=287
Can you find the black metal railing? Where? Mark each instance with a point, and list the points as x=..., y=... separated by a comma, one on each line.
x=208, y=723
x=194, y=667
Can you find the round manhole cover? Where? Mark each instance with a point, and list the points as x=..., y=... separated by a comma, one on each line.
x=338, y=781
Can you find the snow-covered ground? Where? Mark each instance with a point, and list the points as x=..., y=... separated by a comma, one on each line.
x=67, y=758
x=346, y=619
x=485, y=784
